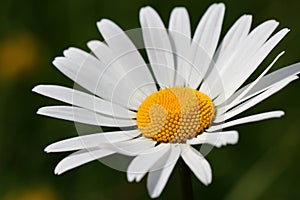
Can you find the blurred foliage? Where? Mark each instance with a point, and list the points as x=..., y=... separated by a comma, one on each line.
x=263, y=165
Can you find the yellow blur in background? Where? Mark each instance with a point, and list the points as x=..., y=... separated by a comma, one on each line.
x=38, y=193
x=19, y=54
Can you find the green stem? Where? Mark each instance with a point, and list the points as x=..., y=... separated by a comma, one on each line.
x=186, y=181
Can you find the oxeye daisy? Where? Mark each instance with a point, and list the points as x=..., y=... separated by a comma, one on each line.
x=188, y=93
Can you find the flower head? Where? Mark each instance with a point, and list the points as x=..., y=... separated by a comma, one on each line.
x=186, y=96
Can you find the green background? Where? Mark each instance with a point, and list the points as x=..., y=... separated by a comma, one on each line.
x=263, y=165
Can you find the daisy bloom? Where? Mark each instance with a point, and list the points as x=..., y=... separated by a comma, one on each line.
x=187, y=95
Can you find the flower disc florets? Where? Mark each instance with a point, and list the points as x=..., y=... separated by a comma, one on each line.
x=173, y=115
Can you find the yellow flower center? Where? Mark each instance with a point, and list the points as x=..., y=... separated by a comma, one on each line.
x=173, y=115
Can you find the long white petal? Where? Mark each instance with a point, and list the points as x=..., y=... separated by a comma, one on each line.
x=197, y=163
x=248, y=119
x=231, y=42
x=131, y=147
x=84, y=116
x=159, y=174
x=91, y=140
x=216, y=139
x=267, y=81
x=255, y=100
x=79, y=158
x=233, y=38
x=240, y=98
x=84, y=69
x=83, y=100
x=257, y=58
x=205, y=42
x=126, y=55
x=240, y=74
x=242, y=61
x=158, y=46
x=99, y=78
x=129, y=80
x=180, y=36
x=142, y=163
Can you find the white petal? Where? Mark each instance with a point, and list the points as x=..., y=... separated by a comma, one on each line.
x=180, y=21
x=239, y=98
x=75, y=55
x=131, y=147
x=126, y=54
x=79, y=158
x=83, y=116
x=268, y=81
x=197, y=163
x=83, y=100
x=232, y=40
x=124, y=89
x=142, y=163
x=91, y=140
x=208, y=30
x=236, y=68
x=248, y=119
x=129, y=85
x=247, y=62
x=276, y=76
x=99, y=78
x=255, y=100
x=104, y=54
x=261, y=54
x=158, y=178
x=134, y=96
x=82, y=68
x=237, y=33
x=158, y=46
x=216, y=139
x=180, y=36
x=205, y=42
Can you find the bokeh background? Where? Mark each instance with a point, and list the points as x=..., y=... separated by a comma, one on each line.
x=263, y=165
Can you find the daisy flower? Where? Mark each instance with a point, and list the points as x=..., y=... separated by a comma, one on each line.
x=187, y=94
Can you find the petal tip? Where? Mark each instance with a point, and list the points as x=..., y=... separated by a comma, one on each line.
x=57, y=61
x=35, y=88
x=100, y=23
x=40, y=111
x=147, y=8
x=281, y=113
x=59, y=170
x=138, y=178
x=179, y=9
x=48, y=149
x=92, y=44
x=130, y=177
x=104, y=21
x=145, y=11
x=221, y=5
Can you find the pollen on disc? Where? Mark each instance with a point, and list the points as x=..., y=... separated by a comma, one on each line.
x=173, y=115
